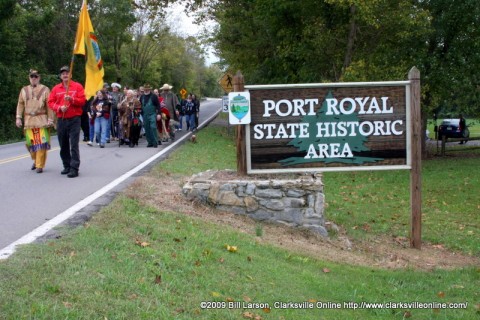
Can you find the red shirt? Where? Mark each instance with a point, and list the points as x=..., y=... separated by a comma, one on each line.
x=75, y=106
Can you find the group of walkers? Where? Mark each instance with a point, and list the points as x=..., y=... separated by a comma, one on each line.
x=128, y=116
x=109, y=115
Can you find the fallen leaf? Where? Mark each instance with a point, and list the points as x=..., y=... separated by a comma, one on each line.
x=366, y=227
x=441, y=294
x=249, y=259
x=232, y=248
x=132, y=296
x=312, y=300
x=177, y=240
x=248, y=315
x=215, y=294
x=221, y=260
x=198, y=263
x=158, y=279
x=326, y=270
x=141, y=243
x=67, y=304
x=229, y=299
x=266, y=310
x=438, y=246
x=249, y=277
x=407, y=314
x=247, y=299
x=174, y=255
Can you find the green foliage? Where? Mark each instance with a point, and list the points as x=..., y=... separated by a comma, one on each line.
x=354, y=40
x=135, y=44
x=11, y=47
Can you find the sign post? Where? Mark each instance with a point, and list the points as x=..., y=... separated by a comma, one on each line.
x=416, y=153
x=239, y=86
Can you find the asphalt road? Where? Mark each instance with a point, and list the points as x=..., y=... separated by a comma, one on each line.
x=31, y=204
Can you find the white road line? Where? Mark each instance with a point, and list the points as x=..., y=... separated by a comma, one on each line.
x=49, y=225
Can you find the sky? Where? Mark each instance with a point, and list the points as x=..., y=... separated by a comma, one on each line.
x=183, y=25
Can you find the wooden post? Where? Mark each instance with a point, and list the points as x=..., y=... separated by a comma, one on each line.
x=238, y=86
x=416, y=157
x=444, y=141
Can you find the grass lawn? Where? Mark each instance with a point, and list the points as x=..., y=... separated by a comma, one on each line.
x=132, y=261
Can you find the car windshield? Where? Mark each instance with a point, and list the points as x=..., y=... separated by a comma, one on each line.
x=450, y=122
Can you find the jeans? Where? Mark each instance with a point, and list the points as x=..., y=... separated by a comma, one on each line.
x=190, y=119
x=180, y=121
x=101, y=127
x=92, y=130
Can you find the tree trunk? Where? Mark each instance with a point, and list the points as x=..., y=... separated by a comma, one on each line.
x=351, y=38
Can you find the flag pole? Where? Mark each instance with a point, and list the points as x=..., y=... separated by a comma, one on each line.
x=70, y=71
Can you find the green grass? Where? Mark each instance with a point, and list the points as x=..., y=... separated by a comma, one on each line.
x=103, y=271
x=377, y=202
x=135, y=262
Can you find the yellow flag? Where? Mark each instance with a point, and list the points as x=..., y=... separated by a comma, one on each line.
x=86, y=44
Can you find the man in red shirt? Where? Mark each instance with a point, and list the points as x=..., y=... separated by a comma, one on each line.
x=68, y=107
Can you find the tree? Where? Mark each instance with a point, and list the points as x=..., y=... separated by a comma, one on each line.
x=12, y=47
x=351, y=145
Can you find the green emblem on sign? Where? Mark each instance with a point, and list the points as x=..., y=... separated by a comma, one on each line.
x=239, y=107
x=332, y=138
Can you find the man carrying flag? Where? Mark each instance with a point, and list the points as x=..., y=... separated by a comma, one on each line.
x=68, y=97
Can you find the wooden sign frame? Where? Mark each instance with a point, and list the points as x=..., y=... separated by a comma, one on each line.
x=286, y=97
x=414, y=136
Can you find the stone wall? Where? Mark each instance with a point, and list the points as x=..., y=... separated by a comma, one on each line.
x=296, y=201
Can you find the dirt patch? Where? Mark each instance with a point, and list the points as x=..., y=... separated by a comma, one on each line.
x=165, y=193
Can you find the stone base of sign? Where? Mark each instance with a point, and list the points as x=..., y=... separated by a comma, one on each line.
x=294, y=200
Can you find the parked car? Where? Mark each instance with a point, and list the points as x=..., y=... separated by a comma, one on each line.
x=450, y=128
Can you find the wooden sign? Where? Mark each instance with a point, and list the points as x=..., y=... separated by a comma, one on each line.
x=328, y=127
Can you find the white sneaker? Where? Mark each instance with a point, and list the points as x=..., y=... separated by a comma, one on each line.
x=89, y=143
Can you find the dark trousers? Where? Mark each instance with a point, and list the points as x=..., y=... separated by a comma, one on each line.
x=114, y=123
x=85, y=126
x=68, y=137
x=135, y=134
